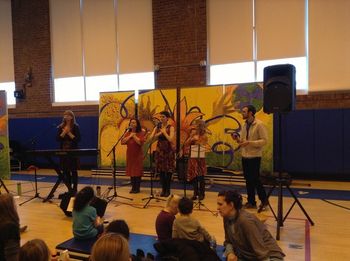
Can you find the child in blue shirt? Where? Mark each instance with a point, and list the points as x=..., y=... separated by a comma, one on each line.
x=86, y=223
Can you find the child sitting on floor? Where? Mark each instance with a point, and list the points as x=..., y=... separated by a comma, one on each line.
x=86, y=223
x=188, y=227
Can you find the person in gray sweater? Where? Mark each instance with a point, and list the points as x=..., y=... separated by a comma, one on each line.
x=187, y=227
x=246, y=237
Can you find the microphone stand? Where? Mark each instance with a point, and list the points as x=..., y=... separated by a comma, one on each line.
x=33, y=143
x=152, y=172
x=2, y=184
x=115, y=195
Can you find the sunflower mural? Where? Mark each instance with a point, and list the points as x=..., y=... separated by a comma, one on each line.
x=116, y=109
x=219, y=106
x=4, y=141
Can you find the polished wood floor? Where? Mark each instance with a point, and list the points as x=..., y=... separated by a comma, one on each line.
x=328, y=239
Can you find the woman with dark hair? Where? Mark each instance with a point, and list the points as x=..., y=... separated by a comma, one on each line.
x=165, y=152
x=246, y=237
x=86, y=223
x=68, y=134
x=35, y=249
x=9, y=229
x=134, y=140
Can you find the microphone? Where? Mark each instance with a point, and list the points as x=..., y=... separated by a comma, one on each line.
x=159, y=125
x=128, y=129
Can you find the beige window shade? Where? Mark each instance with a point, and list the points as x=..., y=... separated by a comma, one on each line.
x=329, y=45
x=230, y=31
x=280, y=29
x=6, y=43
x=135, y=36
x=99, y=37
x=66, y=41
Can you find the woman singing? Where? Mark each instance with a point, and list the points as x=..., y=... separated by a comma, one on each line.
x=197, y=169
x=165, y=152
x=68, y=134
x=134, y=140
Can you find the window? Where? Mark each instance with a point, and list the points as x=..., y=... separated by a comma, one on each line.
x=109, y=47
x=244, y=37
x=7, y=79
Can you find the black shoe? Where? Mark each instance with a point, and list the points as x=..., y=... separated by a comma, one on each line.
x=140, y=253
x=149, y=257
x=194, y=197
x=263, y=206
x=249, y=206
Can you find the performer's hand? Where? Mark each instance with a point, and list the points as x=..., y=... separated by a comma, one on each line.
x=244, y=143
x=232, y=257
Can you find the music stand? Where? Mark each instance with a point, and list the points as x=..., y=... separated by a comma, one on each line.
x=36, y=195
x=152, y=172
x=2, y=184
x=114, y=171
x=197, y=152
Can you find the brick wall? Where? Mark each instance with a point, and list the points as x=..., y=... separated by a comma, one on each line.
x=32, y=48
x=180, y=43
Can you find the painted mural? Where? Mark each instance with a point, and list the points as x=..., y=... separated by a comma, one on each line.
x=219, y=106
x=4, y=141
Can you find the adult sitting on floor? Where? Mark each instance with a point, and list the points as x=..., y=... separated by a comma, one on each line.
x=165, y=219
x=246, y=237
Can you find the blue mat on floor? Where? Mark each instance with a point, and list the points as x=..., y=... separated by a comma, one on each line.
x=136, y=241
x=299, y=192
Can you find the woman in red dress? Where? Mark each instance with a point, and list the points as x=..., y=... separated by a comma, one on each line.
x=197, y=169
x=134, y=140
x=165, y=152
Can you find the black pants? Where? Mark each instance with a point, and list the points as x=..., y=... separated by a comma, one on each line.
x=251, y=172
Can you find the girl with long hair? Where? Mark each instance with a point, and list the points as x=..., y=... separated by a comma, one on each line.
x=86, y=223
x=68, y=135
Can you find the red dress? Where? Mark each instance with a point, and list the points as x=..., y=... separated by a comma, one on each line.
x=196, y=166
x=165, y=154
x=134, y=156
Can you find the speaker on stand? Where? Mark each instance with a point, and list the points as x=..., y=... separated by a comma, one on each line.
x=279, y=97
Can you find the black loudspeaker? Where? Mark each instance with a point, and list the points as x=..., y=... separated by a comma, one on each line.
x=67, y=205
x=279, y=88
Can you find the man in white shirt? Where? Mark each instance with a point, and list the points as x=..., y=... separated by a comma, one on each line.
x=251, y=140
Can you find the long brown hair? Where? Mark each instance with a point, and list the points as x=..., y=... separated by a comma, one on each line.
x=71, y=113
x=110, y=247
x=8, y=209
